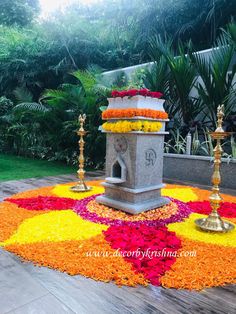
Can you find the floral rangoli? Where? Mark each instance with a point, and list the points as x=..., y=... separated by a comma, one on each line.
x=71, y=232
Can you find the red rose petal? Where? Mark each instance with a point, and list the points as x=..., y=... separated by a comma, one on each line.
x=145, y=242
x=44, y=203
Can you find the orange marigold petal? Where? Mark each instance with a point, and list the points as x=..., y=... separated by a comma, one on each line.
x=212, y=266
x=11, y=217
x=73, y=257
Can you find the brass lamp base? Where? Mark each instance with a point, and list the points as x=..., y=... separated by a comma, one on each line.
x=214, y=223
x=80, y=187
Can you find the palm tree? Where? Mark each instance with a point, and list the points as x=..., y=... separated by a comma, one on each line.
x=217, y=79
x=179, y=80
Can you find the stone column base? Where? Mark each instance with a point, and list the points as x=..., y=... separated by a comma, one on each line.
x=133, y=208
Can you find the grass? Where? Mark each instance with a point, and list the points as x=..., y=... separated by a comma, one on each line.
x=15, y=168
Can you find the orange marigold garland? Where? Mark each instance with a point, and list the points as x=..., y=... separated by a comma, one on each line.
x=134, y=112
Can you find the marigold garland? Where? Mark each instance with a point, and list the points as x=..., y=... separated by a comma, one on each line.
x=131, y=126
x=134, y=112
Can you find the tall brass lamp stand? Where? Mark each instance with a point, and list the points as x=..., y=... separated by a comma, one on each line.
x=214, y=222
x=81, y=185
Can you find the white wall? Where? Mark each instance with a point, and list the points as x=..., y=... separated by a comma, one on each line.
x=130, y=70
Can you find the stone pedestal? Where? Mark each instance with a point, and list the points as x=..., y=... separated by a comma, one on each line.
x=134, y=168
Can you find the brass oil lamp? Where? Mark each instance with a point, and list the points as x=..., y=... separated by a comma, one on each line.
x=81, y=185
x=214, y=222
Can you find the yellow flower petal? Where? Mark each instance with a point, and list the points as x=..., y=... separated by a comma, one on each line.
x=64, y=191
x=55, y=226
x=189, y=230
x=130, y=126
x=181, y=194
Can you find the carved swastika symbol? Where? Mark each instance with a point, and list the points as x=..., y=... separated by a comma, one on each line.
x=150, y=157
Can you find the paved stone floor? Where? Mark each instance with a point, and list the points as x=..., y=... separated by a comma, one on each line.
x=25, y=288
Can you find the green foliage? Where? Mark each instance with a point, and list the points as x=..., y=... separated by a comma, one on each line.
x=111, y=36
x=22, y=94
x=196, y=144
x=36, y=63
x=86, y=78
x=199, y=145
x=18, y=12
x=181, y=20
x=52, y=135
x=157, y=77
x=217, y=86
x=193, y=85
x=177, y=78
x=208, y=143
x=177, y=143
x=26, y=60
x=5, y=105
x=230, y=33
x=31, y=106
